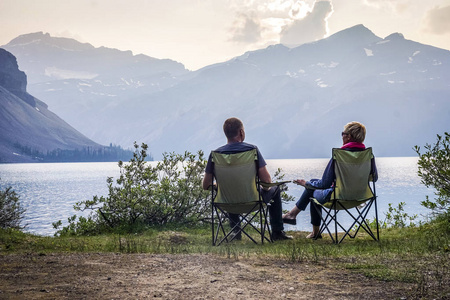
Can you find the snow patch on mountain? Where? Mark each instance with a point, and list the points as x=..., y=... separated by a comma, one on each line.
x=291, y=74
x=369, y=52
x=389, y=73
x=320, y=83
x=57, y=73
x=383, y=42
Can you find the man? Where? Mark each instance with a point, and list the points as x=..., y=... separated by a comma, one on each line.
x=234, y=131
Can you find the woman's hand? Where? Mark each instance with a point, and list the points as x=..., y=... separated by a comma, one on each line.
x=301, y=182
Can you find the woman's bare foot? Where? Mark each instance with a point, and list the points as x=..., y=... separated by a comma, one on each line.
x=311, y=235
x=289, y=216
x=315, y=233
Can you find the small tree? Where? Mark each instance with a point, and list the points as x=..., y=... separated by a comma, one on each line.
x=11, y=212
x=170, y=192
x=434, y=170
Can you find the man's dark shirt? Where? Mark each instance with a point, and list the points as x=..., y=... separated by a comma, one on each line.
x=231, y=149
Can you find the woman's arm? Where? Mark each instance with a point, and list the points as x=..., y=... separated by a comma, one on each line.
x=374, y=170
x=327, y=178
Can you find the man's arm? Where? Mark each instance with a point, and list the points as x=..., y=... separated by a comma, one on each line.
x=207, y=180
x=264, y=175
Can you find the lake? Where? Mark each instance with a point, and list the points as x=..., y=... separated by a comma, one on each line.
x=49, y=191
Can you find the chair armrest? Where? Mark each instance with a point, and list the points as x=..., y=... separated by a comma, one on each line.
x=271, y=184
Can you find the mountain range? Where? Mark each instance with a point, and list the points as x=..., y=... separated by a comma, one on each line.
x=293, y=101
x=26, y=122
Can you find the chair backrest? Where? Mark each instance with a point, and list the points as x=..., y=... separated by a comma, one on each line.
x=353, y=173
x=236, y=177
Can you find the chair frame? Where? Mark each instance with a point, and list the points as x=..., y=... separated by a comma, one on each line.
x=359, y=219
x=259, y=210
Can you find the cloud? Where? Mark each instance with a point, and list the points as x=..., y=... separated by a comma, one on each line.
x=246, y=29
x=313, y=26
x=384, y=4
x=391, y=6
x=291, y=22
x=258, y=23
x=437, y=20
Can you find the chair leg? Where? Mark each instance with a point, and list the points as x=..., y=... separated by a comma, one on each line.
x=263, y=226
x=212, y=225
x=220, y=227
x=360, y=221
x=335, y=224
x=325, y=220
x=376, y=219
x=266, y=224
x=331, y=215
x=246, y=220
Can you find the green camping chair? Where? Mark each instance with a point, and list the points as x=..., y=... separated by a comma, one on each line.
x=352, y=194
x=238, y=193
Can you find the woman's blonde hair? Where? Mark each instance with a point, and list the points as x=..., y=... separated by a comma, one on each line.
x=356, y=130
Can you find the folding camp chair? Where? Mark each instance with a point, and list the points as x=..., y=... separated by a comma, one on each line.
x=238, y=193
x=353, y=188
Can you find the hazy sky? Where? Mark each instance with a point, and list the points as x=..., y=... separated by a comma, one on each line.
x=202, y=32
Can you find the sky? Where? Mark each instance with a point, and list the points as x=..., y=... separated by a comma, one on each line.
x=198, y=33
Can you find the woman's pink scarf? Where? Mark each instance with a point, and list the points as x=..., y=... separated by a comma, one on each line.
x=354, y=145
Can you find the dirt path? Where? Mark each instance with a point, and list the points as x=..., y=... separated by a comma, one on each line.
x=147, y=276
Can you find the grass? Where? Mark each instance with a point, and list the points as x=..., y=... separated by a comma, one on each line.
x=418, y=255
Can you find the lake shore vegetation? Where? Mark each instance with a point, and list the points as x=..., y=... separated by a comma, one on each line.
x=415, y=255
x=139, y=216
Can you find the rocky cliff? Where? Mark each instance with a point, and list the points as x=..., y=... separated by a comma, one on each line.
x=27, y=127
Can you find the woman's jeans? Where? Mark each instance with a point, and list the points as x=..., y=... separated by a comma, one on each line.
x=316, y=210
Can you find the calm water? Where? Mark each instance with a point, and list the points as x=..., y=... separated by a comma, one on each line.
x=49, y=191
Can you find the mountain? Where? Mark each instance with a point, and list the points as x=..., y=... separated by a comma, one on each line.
x=44, y=59
x=293, y=101
x=80, y=81
x=28, y=128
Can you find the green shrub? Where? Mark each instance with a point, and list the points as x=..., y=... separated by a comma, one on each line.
x=168, y=192
x=11, y=212
x=434, y=170
x=398, y=218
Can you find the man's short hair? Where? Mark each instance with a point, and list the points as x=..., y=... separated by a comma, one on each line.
x=356, y=130
x=231, y=127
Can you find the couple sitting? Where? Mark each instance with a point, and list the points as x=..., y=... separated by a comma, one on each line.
x=352, y=137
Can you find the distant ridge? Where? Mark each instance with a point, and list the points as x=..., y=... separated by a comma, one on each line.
x=41, y=37
x=55, y=58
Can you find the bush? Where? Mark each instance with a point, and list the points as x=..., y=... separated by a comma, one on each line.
x=434, y=170
x=11, y=213
x=170, y=192
x=397, y=217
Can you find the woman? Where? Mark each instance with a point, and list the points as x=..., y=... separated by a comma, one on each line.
x=352, y=138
